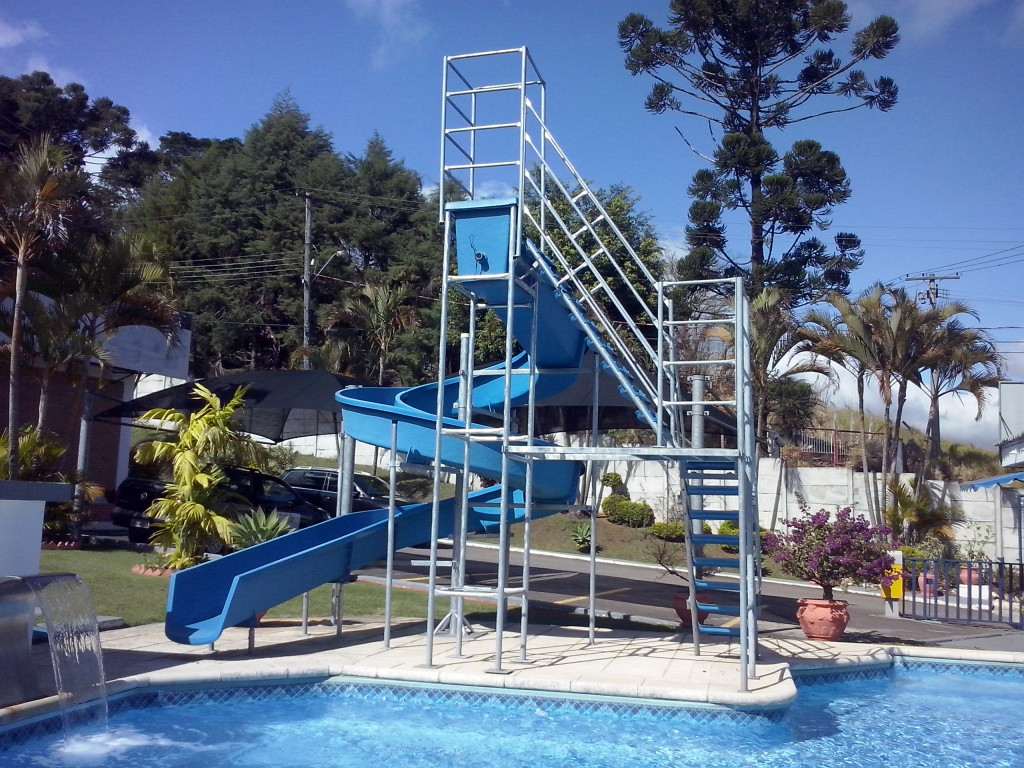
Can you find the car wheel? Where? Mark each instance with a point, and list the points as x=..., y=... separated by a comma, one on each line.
x=214, y=546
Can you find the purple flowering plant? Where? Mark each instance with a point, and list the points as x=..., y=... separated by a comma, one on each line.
x=831, y=550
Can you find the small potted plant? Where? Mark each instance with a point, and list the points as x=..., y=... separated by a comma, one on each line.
x=831, y=550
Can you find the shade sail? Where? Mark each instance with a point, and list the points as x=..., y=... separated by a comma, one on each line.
x=1012, y=480
x=280, y=405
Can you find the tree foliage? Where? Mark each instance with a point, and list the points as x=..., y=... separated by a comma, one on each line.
x=746, y=68
x=230, y=215
x=204, y=441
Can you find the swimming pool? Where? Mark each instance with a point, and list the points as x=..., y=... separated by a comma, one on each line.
x=918, y=715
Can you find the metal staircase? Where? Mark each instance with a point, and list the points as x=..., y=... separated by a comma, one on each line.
x=562, y=239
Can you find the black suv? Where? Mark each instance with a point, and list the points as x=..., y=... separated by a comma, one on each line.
x=244, y=490
x=319, y=485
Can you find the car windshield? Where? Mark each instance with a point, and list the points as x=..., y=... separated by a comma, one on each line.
x=371, y=486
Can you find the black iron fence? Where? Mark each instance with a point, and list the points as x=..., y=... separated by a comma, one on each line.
x=965, y=591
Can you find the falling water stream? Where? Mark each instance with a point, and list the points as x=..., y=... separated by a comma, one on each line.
x=74, y=639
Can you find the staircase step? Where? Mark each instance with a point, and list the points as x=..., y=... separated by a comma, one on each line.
x=692, y=475
x=720, y=610
x=716, y=562
x=713, y=490
x=705, y=464
x=719, y=539
x=728, y=631
x=714, y=514
x=717, y=586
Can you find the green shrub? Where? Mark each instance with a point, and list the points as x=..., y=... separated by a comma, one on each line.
x=612, y=503
x=729, y=528
x=611, y=480
x=914, y=552
x=580, y=535
x=669, y=531
x=632, y=514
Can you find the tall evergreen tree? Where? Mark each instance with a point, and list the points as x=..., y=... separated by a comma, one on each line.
x=230, y=216
x=747, y=67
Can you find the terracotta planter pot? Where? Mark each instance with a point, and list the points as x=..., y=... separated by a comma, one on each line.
x=823, y=619
x=927, y=584
x=680, y=603
x=970, y=575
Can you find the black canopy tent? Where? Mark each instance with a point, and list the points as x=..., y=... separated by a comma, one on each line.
x=280, y=405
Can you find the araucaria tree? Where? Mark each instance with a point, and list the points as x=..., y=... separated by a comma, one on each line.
x=747, y=67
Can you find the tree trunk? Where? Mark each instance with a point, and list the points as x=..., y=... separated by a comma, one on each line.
x=14, y=385
x=44, y=392
x=868, y=490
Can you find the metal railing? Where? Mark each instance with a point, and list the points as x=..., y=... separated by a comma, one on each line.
x=963, y=591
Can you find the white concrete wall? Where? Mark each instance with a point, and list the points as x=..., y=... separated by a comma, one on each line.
x=992, y=514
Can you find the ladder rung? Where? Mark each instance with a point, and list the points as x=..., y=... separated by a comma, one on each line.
x=586, y=227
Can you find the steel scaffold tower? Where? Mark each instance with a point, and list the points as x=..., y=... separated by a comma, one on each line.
x=504, y=178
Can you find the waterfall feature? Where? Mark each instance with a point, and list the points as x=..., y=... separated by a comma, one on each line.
x=73, y=633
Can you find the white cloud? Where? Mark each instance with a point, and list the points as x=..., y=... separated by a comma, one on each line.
x=928, y=20
x=401, y=23
x=15, y=34
x=145, y=134
x=957, y=420
x=61, y=75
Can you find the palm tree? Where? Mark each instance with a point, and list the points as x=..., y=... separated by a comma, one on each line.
x=847, y=335
x=774, y=337
x=376, y=316
x=916, y=516
x=34, y=200
x=52, y=336
x=962, y=361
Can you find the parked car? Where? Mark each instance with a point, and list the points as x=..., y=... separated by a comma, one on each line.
x=243, y=491
x=319, y=485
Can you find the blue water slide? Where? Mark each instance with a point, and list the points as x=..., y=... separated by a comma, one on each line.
x=234, y=590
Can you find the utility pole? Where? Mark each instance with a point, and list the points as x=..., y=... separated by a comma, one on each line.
x=307, y=268
x=931, y=295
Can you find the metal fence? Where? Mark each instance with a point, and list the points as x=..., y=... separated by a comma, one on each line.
x=831, y=447
x=964, y=591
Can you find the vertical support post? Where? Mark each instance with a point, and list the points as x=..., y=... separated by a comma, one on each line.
x=307, y=280
x=82, y=465
x=435, y=513
x=696, y=502
x=594, y=482
x=346, y=468
x=390, y=571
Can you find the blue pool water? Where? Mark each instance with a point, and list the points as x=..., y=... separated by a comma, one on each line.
x=916, y=718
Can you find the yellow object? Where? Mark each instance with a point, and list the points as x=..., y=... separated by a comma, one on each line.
x=895, y=590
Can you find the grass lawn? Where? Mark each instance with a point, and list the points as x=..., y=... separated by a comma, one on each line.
x=554, y=534
x=116, y=591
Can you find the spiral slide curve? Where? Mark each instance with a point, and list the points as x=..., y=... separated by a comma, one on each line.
x=234, y=590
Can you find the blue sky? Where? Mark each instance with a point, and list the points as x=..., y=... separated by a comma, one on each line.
x=938, y=183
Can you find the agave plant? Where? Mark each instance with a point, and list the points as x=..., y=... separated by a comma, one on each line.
x=256, y=528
